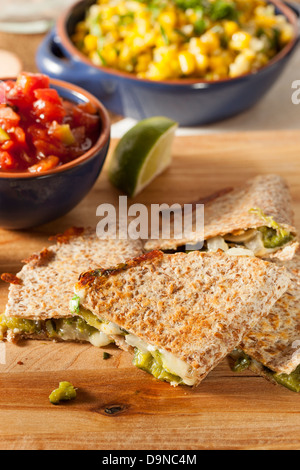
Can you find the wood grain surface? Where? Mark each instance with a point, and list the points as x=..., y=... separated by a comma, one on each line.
x=226, y=411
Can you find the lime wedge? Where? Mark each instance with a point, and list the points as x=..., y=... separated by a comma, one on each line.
x=142, y=154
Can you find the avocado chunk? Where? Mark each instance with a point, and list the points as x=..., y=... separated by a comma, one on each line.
x=64, y=392
x=153, y=365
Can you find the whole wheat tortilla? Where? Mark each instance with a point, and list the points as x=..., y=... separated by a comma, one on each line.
x=197, y=306
x=44, y=286
x=230, y=212
x=275, y=340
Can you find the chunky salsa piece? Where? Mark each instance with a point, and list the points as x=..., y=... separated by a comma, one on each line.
x=39, y=130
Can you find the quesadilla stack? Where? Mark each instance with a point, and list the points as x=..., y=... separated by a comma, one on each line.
x=272, y=348
x=256, y=217
x=39, y=295
x=180, y=314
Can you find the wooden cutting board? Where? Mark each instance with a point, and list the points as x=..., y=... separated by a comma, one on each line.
x=226, y=411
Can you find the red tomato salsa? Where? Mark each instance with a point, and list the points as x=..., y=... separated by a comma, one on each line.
x=39, y=130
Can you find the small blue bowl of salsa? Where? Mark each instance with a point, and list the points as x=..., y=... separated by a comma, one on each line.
x=54, y=139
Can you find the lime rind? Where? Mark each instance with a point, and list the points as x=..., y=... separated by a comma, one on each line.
x=142, y=154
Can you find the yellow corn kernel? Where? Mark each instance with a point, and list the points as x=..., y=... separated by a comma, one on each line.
x=249, y=54
x=230, y=27
x=216, y=62
x=157, y=71
x=286, y=34
x=150, y=39
x=218, y=66
x=138, y=44
x=196, y=46
x=240, y=40
x=202, y=63
x=112, y=37
x=265, y=21
x=95, y=58
x=168, y=18
x=142, y=14
x=125, y=53
x=175, y=37
x=210, y=41
x=107, y=26
x=265, y=16
x=90, y=43
x=166, y=54
x=240, y=66
x=160, y=41
x=187, y=62
x=110, y=55
x=142, y=26
x=181, y=18
x=143, y=62
x=228, y=57
x=193, y=17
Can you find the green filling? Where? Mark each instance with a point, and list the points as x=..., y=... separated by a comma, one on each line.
x=274, y=235
x=93, y=320
x=52, y=328
x=89, y=318
x=243, y=362
x=25, y=326
x=65, y=392
x=290, y=381
x=273, y=238
x=152, y=363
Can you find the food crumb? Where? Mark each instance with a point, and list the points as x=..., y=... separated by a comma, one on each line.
x=64, y=392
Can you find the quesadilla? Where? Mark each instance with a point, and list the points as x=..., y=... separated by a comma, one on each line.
x=179, y=314
x=38, y=302
x=256, y=217
x=272, y=347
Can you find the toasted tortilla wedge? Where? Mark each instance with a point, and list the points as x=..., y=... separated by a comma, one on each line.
x=182, y=313
x=272, y=347
x=39, y=295
x=239, y=218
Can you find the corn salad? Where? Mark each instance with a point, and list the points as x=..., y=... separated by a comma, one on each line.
x=171, y=39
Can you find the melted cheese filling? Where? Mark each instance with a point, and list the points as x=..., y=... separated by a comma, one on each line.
x=171, y=363
x=249, y=243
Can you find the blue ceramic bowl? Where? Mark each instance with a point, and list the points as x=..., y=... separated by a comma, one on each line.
x=27, y=201
x=189, y=102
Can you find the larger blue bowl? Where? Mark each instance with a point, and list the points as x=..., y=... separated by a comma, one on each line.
x=28, y=200
x=189, y=102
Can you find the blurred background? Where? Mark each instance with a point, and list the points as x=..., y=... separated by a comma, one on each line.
x=24, y=24
x=30, y=16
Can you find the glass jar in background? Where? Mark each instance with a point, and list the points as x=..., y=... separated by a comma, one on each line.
x=30, y=16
